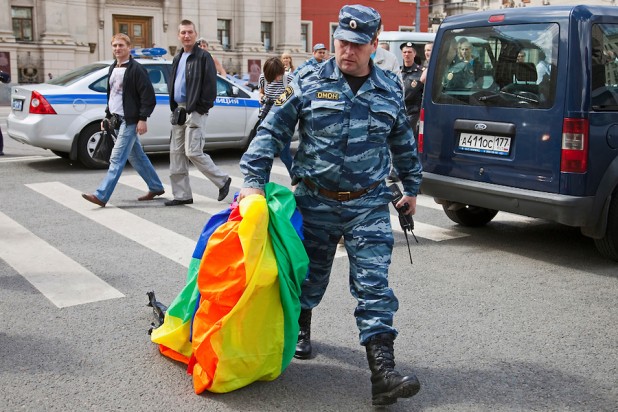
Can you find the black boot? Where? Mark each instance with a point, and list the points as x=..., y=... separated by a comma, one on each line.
x=386, y=383
x=303, y=346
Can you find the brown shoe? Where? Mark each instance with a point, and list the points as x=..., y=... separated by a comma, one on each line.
x=93, y=199
x=150, y=195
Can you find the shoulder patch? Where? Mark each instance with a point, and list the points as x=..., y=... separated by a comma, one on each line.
x=327, y=95
x=289, y=91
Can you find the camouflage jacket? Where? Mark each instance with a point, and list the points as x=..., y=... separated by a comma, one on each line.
x=345, y=140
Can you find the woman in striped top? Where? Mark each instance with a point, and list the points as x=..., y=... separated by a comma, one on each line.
x=272, y=83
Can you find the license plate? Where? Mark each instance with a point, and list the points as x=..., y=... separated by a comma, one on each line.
x=481, y=143
x=17, y=105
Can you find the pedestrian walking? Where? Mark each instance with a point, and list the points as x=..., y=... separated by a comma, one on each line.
x=130, y=101
x=193, y=89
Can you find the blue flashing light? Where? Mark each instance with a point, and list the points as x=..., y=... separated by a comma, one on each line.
x=149, y=52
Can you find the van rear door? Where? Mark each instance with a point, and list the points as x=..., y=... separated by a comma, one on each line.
x=491, y=113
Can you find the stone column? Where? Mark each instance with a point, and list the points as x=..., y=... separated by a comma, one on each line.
x=246, y=25
x=207, y=26
x=6, y=22
x=54, y=28
x=287, y=26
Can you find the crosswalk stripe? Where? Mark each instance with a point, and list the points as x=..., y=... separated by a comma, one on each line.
x=156, y=238
x=60, y=279
x=23, y=158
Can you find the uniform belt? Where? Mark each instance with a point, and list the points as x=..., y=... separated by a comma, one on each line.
x=340, y=196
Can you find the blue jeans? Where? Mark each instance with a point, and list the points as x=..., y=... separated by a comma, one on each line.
x=129, y=148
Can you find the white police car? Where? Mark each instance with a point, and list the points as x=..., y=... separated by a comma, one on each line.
x=64, y=114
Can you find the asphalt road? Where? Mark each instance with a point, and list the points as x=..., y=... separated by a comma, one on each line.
x=519, y=315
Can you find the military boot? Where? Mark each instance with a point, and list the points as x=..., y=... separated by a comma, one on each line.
x=303, y=346
x=386, y=383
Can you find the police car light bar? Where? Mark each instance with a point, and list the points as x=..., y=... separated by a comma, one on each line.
x=149, y=52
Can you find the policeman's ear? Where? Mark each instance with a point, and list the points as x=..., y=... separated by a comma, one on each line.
x=374, y=44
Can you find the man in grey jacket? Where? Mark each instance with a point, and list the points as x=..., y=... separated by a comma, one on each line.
x=193, y=89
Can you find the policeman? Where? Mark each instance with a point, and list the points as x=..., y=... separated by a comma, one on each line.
x=351, y=118
x=319, y=56
x=412, y=85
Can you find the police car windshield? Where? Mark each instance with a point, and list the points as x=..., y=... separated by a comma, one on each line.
x=76, y=74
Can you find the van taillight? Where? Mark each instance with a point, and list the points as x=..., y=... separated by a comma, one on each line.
x=421, y=134
x=39, y=105
x=574, y=158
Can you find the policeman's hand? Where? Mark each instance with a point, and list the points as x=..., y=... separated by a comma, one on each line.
x=142, y=127
x=410, y=201
x=246, y=191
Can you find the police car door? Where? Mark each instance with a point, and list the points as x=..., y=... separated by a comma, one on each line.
x=227, y=120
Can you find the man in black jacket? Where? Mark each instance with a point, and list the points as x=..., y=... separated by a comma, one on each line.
x=130, y=101
x=193, y=89
x=412, y=84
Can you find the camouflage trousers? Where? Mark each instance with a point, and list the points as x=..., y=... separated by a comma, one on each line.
x=368, y=239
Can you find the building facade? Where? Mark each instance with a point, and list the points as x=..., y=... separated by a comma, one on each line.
x=319, y=17
x=43, y=38
x=40, y=39
x=438, y=10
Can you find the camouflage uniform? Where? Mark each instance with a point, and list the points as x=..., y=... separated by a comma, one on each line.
x=309, y=63
x=344, y=147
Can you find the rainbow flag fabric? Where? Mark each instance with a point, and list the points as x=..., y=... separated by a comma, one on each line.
x=236, y=319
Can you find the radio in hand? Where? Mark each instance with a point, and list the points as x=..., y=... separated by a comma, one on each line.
x=406, y=221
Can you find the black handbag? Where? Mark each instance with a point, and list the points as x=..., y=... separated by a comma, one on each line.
x=103, y=150
x=179, y=116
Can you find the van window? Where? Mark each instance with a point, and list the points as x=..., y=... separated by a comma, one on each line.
x=499, y=66
x=604, y=77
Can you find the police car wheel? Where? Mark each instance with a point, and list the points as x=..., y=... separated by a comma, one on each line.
x=608, y=244
x=88, y=139
x=472, y=216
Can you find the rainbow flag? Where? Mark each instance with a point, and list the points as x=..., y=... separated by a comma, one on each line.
x=236, y=320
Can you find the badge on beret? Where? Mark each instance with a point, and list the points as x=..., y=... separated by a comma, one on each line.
x=353, y=24
x=289, y=91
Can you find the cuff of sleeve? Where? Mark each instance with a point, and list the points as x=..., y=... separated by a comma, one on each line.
x=254, y=183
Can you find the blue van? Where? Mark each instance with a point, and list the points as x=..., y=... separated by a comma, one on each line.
x=520, y=114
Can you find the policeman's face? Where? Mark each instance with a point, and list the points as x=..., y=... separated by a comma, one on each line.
x=320, y=55
x=121, y=50
x=187, y=36
x=408, y=54
x=353, y=58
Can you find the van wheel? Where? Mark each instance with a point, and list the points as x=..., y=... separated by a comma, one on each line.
x=608, y=244
x=470, y=215
x=88, y=139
